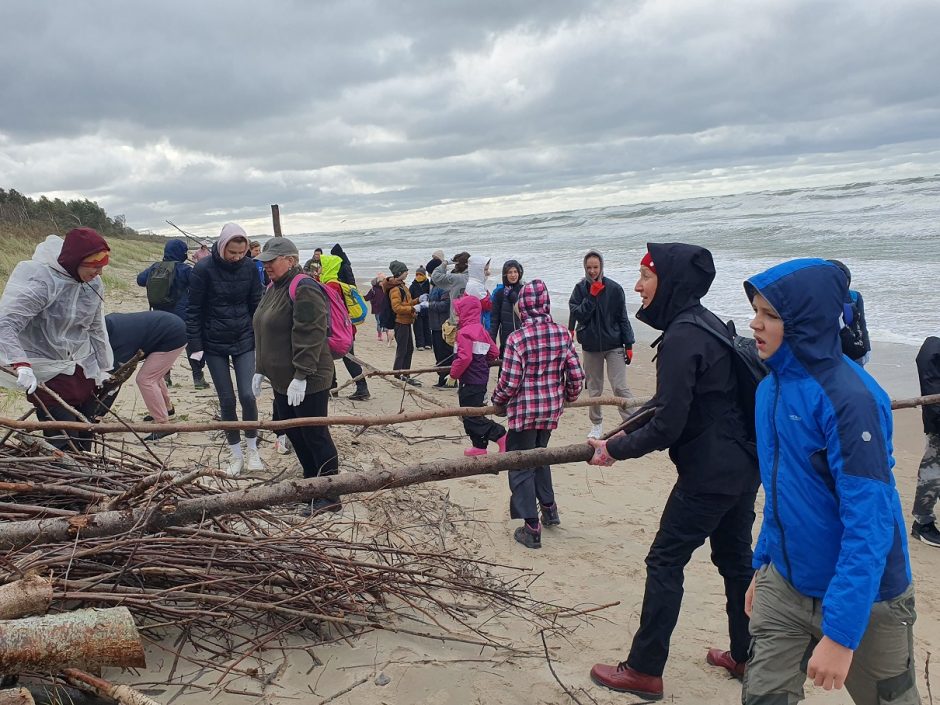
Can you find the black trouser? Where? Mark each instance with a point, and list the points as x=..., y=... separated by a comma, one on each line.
x=443, y=353
x=196, y=366
x=313, y=444
x=62, y=439
x=354, y=369
x=423, y=330
x=404, y=346
x=529, y=485
x=687, y=520
x=481, y=429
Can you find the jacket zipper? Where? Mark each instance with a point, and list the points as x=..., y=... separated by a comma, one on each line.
x=783, y=538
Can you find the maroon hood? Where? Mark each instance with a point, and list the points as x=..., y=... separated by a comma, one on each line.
x=79, y=244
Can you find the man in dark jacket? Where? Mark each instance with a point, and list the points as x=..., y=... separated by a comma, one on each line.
x=599, y=314
x=503, y=318
x=175, y=252
x=698, y=420
x=928, y=475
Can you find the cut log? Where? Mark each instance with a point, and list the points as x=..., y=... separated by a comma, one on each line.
x=124, y=694
x=87, y=639
x=16, y=696
x=29, y=596
x=18, y=534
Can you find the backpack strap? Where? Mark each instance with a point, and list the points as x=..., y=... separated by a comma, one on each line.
x=295, y=282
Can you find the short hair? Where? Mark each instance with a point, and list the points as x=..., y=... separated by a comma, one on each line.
x=254, y=243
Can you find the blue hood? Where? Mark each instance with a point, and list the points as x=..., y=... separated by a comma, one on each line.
x=175, y=250
x=808, y=294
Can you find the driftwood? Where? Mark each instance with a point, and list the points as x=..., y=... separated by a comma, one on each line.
x=16, y=696
x=91, y=638
x=404, y=386
x=31, y=595
x=367, y=421
x=391, y=373
x=19, y=534
x=123, y=694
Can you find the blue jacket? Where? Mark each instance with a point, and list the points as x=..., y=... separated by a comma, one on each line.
x=833, y=524
x=174, y=251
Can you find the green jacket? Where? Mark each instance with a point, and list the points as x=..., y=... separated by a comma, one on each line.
x=290, y=336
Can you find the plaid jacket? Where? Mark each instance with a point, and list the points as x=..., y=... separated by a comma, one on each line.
x=541, y=369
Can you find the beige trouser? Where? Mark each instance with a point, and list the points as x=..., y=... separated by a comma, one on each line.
x=593, y=365
x=786, y=626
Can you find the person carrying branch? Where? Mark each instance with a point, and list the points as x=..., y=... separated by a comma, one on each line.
x=699, y=419
x=52, y=329
x=541, y=371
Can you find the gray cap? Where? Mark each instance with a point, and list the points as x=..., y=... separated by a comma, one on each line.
x=277, y=247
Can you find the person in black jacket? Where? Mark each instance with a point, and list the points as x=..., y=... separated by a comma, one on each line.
x=503, y=317
x=421, y=287
x=599, y=314
x=175, y=250
x=345, y=271
x=438, y=312
x=698, y=419
x=928, y=474
x=856, y=345
x=223, y=294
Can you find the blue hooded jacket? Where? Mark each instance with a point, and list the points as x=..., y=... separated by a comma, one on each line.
x=174, y=251
x=833, y=524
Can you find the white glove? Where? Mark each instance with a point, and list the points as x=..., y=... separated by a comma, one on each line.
x=296, y=391
x=104, y=377
x=197, y=355
x=423, y=298
x=417, y=308
x=26, y=379
x=256, y=385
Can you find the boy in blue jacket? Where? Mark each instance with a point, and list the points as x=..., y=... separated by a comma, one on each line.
x=832, y=598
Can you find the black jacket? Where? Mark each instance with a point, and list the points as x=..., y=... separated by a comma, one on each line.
x=503, y=318
x=223, y=297
x=345, y=269
x=602, y=322
x=150, y=331
x=697, y=417
x=928, y=369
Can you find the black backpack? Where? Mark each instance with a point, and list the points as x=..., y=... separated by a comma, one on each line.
x=749, y=369
x=387, y=317
x=160, y=285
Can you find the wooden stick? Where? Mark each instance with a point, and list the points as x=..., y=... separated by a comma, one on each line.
x=59, y=400
x=29, y=596
x=124, y=694
x=398, y=383
x=382, y=420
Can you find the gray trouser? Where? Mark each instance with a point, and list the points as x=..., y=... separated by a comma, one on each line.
x=928, y=482
x=786, y=626
x=593, y=365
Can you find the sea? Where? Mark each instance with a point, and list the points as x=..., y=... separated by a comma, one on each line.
x=887, y=232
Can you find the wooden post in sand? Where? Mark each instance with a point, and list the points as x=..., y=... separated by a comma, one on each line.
x=276, y=218
x=88, y=639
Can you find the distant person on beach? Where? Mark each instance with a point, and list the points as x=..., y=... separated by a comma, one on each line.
x=600, y=319
x=478, y=271
x=503, y=318
x=345, y=274
x=254, y=249
x=294, y=355
x=454, y=281
x=223, y=294
x=438, y=313
x=201, y=253
x=161, y=336
x=420, y=290
x=312, y=267
x=699, y=419
x=924, y=528
x=854, y=334
x=832, y=597
x=474, y=351
x=405, y=310
x=167, y=284
x=52, y=329
x=378, y=302
x=540, y=372
x=330, y=268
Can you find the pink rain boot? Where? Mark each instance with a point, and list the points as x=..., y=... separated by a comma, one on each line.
x=472, y=452
x=502, y=443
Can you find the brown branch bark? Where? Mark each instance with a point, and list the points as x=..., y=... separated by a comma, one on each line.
x=123, y=694
x=31, y=595
x=89, y=639
x=410, y=389
x=16, y=696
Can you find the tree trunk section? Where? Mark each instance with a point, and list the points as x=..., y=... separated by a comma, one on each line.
x=31, y=595
x=16, y=696
x=87, y=639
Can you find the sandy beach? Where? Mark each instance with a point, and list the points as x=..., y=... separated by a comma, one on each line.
x=609, y=517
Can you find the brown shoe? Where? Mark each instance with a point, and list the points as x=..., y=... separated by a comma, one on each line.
x=624, y=679
x=717, y=657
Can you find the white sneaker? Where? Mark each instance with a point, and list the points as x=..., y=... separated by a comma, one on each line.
x=254, y=459
x=597, y=430
x=282, y=445
x=235, y=466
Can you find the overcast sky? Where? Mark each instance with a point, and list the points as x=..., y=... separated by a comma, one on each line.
x=359, y=113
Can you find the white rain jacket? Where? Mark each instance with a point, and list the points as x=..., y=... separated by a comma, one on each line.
x=476, y=284
x=52, y=321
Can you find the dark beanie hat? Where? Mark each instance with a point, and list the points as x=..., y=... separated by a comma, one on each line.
x=432, y=265
x=397, y=268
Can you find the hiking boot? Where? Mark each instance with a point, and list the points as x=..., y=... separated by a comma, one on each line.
x=528, y=537
x=550, y=515
x=361, y=394
x=717, y=657
x=473, y=451
x=325, y=504
x=199, y=382
x=282, y=445
x=624, y=679
x=169, y=412
x=597, y=430
x=926, y=533
x=441, y=384
x=412, y=381
x=156, y=436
